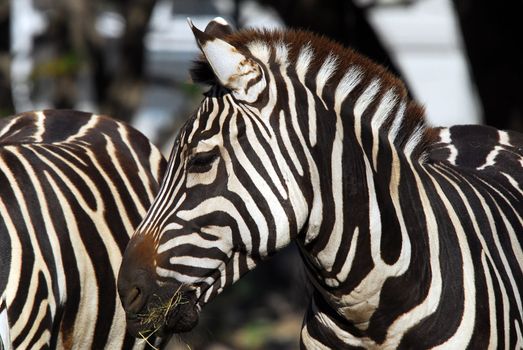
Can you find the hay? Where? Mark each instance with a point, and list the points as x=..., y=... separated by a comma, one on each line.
x=156, y=315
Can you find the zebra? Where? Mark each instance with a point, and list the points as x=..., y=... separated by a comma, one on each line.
x=73, y=187
x=411, y=236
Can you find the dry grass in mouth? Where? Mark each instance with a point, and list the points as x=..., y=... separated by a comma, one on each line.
x=156, y=315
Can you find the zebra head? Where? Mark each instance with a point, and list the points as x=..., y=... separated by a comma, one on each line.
x=228, y=200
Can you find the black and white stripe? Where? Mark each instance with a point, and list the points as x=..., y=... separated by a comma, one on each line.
x=73, y=187
x=412, y=236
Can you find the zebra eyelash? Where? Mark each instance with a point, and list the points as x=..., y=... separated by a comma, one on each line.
x=201, y=162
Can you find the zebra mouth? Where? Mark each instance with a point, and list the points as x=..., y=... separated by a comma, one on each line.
x=182, y=319
x=168, y=313
x=163, y=316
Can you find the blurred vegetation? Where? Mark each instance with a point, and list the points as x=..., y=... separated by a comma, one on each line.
x=56, y=67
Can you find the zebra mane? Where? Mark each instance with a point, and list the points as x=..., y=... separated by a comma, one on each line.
x=413, y=133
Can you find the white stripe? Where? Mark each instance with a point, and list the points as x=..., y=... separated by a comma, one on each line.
x=504, y=138
x=490, y=160
x=260, y=50
x=303, y=62
x=396, y=123
x=350, y=80
x=16, y=262
x=197, y=262
x=195, y=125
x=155, y=161
x=9, y=125
x=281, y=53
x=347, y=265
x=213, y=112
x=493, y=334
x=302, y=66
x=39, y=124
x=388, y=101
x=361, y=105
x=84, y=130
x=513, y=182
x=414, y=140
x=5, y=339
x=196, y=240
x=294, y=193
x=288, y=144
x=501, y=253
x=519, y=335
x=327, y=69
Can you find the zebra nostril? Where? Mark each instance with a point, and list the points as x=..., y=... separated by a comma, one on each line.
x=134, y=300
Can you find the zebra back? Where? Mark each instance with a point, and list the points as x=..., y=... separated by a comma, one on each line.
x=73, y=186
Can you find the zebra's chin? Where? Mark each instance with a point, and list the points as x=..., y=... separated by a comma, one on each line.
x=164, y=317
x=183, y=319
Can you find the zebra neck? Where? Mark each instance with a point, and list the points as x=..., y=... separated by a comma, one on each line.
x=359, y=238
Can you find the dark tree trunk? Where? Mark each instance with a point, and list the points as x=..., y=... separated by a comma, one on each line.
x=117, y=80
x=125, y=88
x=341, y=20
x=493, y=35
x=6, y=99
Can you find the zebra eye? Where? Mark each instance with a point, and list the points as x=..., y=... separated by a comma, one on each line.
x=202, y=161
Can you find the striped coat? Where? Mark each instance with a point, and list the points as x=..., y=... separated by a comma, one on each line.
x=411, y=235
x=73, y=187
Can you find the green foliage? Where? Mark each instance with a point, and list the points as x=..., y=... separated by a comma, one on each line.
x=65, y=65
x=5, y=112
x=191, y=90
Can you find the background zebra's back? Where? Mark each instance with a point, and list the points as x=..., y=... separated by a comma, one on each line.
x=73, y=186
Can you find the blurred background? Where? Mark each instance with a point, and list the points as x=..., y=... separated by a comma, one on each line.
x=461, y=59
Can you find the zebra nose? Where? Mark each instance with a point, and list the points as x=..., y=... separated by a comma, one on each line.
x=133, y=301
x=136, y=277
x=134, y=289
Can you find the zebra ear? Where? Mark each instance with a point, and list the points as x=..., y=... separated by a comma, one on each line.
x=218, y=28
x=234, y=70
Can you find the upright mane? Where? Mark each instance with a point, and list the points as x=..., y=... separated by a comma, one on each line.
x=413, y=130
